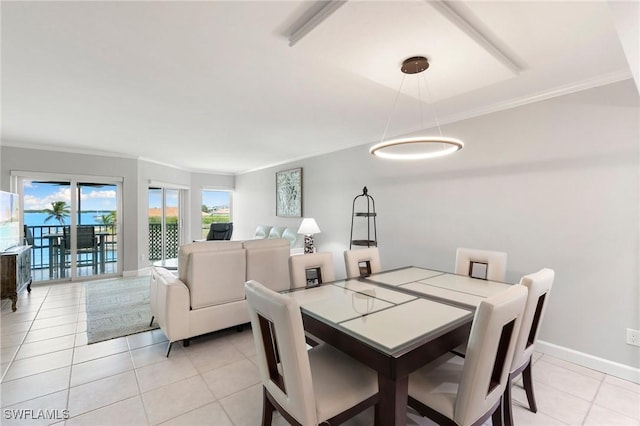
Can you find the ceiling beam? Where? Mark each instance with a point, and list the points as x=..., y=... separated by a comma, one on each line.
x=316, y=19
x=447, y=10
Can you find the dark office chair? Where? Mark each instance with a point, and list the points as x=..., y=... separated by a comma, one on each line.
x=86, y=243
x=220, y=231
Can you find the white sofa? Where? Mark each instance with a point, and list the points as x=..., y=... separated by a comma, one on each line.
x=268, y=231
x=208, y=293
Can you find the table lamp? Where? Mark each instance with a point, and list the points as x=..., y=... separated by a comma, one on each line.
x=308, y=227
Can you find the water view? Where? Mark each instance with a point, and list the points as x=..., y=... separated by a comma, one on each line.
x=32, y=218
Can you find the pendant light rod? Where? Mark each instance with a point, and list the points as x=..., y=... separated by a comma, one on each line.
x=393, y=109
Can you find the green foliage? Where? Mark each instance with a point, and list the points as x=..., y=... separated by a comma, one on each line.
x=158, y=219
x=215, y=218
x=59, y=211
x=108, y=219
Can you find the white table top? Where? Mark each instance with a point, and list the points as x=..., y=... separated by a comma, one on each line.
x=336, y=304
x=463, y=284
x=446, y=294
x=394, y=310
x=458, y=289
x=388, y=295
x=403, y=276
x=406, y=323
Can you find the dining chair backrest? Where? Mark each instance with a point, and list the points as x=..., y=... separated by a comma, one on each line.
x=490, y=349
x=485, y=264
x=281, y=349
x=539, y=285
x=85, y=237
x=220, y=231
x=362, y=262
x=28, y=236
x=322, y=262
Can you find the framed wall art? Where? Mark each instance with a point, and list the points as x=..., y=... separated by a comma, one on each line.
x=289, y=193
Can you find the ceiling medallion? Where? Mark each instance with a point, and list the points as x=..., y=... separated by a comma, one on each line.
x=417, y=147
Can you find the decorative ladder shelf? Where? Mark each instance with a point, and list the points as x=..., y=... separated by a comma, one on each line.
x=370, y=214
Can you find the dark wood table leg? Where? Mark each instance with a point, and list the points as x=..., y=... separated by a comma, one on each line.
x=393, y=400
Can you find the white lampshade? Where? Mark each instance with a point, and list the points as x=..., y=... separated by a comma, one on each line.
x=308, y=226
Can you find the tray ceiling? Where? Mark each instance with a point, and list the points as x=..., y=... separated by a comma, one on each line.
x=216, y=87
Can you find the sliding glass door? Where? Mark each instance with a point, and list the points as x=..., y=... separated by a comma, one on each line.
x=165, y=224
x=71, y=225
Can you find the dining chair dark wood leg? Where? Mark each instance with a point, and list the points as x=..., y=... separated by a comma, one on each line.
x=506, y=402
x=528, y=387
x=267, y=409
x=496, y=417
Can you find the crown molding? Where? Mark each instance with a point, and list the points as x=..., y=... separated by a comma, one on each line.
x=598, y=81
x=64, y=148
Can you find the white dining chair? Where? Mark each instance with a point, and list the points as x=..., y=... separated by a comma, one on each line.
x=467, y=391
x=362, y=262
x=539, y=285
x=308, y=387
x=485, y=264
x=321, y=262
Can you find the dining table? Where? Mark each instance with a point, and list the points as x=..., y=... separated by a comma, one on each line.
x=395, y=322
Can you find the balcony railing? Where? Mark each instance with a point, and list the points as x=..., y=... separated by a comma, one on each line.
x=45, y=255
x=155, y=241
x=45, y=239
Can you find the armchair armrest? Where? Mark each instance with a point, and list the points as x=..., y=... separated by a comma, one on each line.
x=172, y=305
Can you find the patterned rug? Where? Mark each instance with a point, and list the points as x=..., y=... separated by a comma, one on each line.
x=117, y=307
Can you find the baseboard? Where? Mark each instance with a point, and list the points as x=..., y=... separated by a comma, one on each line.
x=612, y=368
x=137, y=272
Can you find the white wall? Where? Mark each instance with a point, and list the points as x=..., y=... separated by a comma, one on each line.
x=200, y=181
x=554, y=184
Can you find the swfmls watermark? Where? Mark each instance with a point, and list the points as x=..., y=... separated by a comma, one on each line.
x=31, y=414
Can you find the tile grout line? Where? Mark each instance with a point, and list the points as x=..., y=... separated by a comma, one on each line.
x=586, y=416
x=73, y=355
x=10, y=364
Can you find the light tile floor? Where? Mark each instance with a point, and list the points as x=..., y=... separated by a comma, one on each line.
x=46, y=364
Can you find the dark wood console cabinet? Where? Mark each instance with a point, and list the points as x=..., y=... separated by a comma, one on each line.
x=15, y=273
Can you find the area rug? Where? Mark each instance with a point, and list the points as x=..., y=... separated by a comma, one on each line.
x=117, y=307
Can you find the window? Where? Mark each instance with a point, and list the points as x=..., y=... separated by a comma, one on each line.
x=216, y=207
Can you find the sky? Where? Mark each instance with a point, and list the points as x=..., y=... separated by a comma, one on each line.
x=216, y=198
x=210, y=198
x=39, y=196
